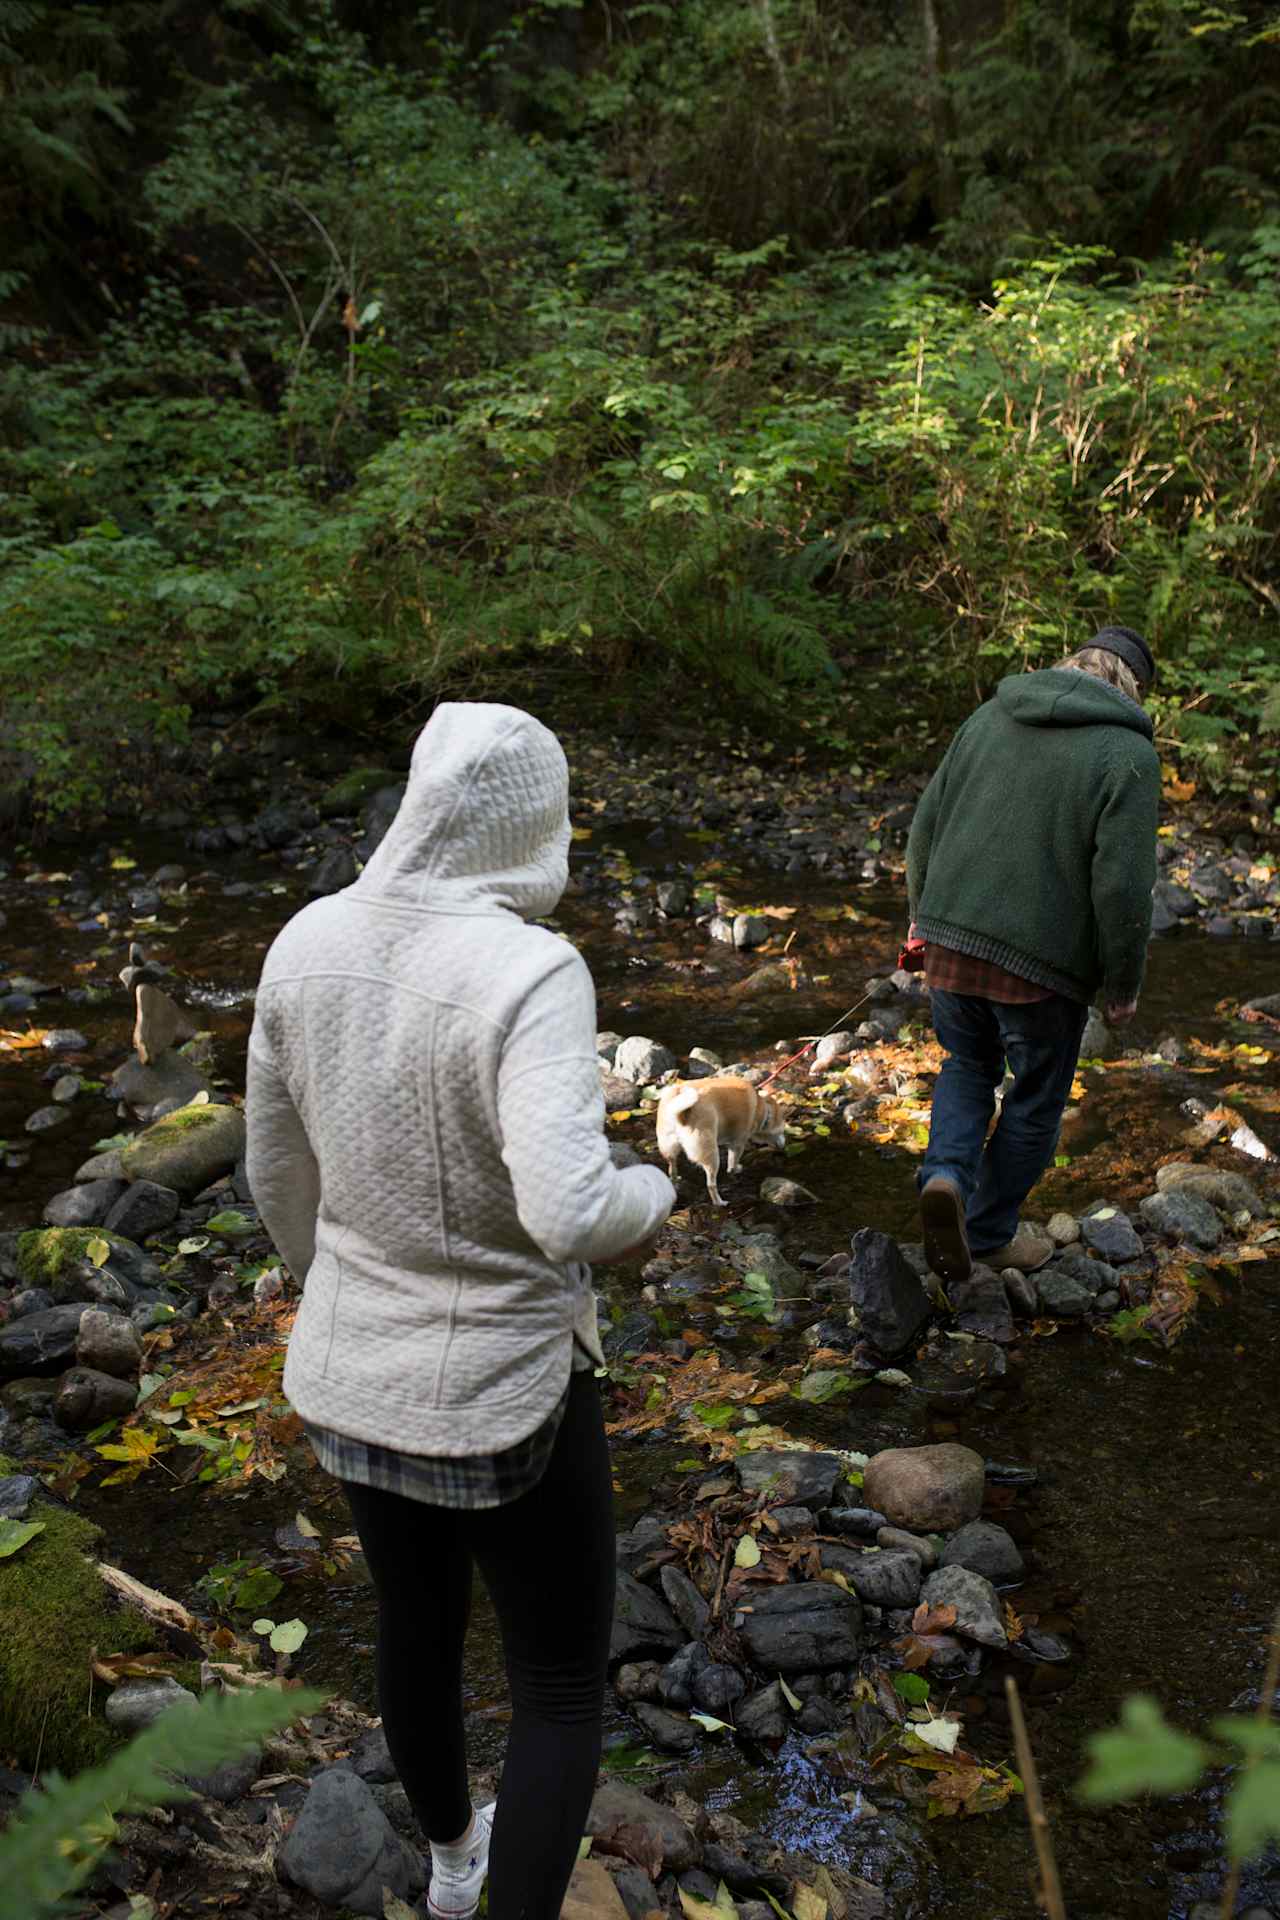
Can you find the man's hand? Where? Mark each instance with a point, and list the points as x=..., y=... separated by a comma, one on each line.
x=1120, y=1012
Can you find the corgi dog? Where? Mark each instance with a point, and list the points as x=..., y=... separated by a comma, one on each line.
x=697, y=1117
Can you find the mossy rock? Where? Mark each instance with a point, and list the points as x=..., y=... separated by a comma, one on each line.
x=55, y=1612
x=349, y=794
x=58, y=1258
x=187, y=1149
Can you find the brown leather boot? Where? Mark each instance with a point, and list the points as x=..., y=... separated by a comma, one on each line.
x=946, y=1245
x=1028, y=1251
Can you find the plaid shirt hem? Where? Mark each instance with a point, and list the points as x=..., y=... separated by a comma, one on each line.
x=952, y=972
x=472, y=1482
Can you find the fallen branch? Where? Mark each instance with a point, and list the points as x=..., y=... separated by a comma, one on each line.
x=1050, y=1886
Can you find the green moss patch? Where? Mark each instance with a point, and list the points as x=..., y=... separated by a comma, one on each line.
x=345, y=795
x=54, y=1612
x=46, y=1252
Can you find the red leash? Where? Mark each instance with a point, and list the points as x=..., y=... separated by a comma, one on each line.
x=910, y=959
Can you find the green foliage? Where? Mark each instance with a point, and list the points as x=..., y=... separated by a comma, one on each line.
x=52, y=1844
x=1147, y=1755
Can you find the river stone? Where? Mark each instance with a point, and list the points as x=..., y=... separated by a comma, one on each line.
x=635, y=1549
x=675, y=1682
x=160, y=1024
x=102, y=1166
x=1020, y=1291
x=953, y=1375
x=878, y=1579
x=641, y=1622
x=136, y=1704
x=86, y=1398
x=1063, y=1229
x=229, y=1782
x=1230, y=1191
x=777, y=1191
x=1183, y=1215
x=39, y=1343
x=750, y=930
x=896, y=1539
x=623, y=1821
x=168, y=1083
x=619, y=1093
x=832, y=1046
x=927, y=1489
x=86, y=1205
x=1062, y=1296
x=17, y=1491
x=673, y=897
x=717, y=1687
x=59, y=1259
x=142, y=1209
x=669, y=1731
x=1095, y=1276
x=372, y=1759
x=981, y=1305
x=343, y=1850
x=109, y=1343
x=187, y=1150
x=1114, y=1237
x=808, y=1628
x=1097, y=1042
x=792, y=1478
x=788, y=1523
x=334, y=871
x=764, y=1715
x=863, y=1523
x=688, y=1605
x=638, y=1680
x=642, y=1061
x=889, y=1298
x=47, y=1119
x=986, y=1549
x=978, y=1615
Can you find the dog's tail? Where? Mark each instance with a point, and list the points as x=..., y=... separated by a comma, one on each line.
x=685, y=1098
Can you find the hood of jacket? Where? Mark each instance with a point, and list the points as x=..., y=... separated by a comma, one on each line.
x=1065, y=697
x=484, y=822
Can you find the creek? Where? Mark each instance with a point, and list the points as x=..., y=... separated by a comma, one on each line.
x=1155, y=1520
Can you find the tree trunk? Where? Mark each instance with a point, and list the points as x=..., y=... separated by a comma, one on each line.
x=942, y=111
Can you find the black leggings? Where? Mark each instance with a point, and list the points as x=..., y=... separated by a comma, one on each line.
x=548, y=1562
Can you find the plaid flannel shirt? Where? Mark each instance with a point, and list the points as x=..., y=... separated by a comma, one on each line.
x=472, y=1481
x=952, y=972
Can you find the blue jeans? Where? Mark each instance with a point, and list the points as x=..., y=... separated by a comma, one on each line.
x=1040, y=1042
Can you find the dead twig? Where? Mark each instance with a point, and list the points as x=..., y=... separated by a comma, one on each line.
x=1266, y=1701
x=1050, y=1886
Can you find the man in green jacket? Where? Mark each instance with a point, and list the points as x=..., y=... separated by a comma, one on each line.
x=1029, y=871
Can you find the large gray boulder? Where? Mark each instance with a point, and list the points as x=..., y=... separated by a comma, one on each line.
x=927, y=1489
x=808, y=1628
x=187, y=1150
x=343, y=1850
x=891, y=1303
x=642, y=1061
x=794, y=1478
x=1183, y=1215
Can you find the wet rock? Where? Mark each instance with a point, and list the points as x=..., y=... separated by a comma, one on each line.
x=165, y=1085
x=978, y=1614
x=720, y=929
x=878, y=1579
x=1062, y=1296
x=985, y=1548
x=64, y=1040
x=688, y=1605
x=779, y=1192
x=160, y=1024
x=1109, y=1231
x=1098, y=1042
x=102, y=1166
x=862, y=1523
x=86, y=1205
x=348, y=794
x=703, y=1062
x=641, y=1623
x=637, y=1680
x=668, y=1731
x=332, y=872
x=637, y=1547
x=717, y=1687
x=1092, y=1275
x=889, y=1298
x=66, y=1088
x=372, y=1759
x=832, y=1046
x=623, y=1821
x=343, y=1850
x=789, y=1523
x=675, y=1683
x=1230, y=1191
x=619, y=1094
x=187, y=1149
x=70, y=1264
x=896, y=1539
x=642, y=1061
x=636, y=1332
x=143, y=1208
x=229, y=1782
x=85, y=1398
x=673, y=897
x=39, y=1343
x=750, y=930
x=811, y=1627
x=981, y=1305
x=1021, y=1291
x=764, y=1715
x=1063, y=1230
x=1183, y=1215
x=929, y=1489
x=136, y=1704
x=952, y=1375
x=109, y=1343
x=17, y=1491
x=792, y=1478
x=47, y=1120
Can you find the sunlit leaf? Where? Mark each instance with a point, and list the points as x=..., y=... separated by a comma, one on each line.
x=14, y=1535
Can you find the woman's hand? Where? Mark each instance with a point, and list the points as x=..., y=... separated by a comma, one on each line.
x=1120, y=1012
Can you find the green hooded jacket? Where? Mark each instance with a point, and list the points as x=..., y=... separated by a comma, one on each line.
x=1034, y=844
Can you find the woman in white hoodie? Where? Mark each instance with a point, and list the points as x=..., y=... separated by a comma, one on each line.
x=426, y=1147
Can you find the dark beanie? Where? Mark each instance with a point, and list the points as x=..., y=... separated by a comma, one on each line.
x=1129, y=647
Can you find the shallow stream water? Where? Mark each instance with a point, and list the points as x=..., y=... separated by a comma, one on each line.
x=1155, y=1525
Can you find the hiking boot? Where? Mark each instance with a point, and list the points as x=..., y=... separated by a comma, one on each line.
x=1028, y=1251
x=458, y=1873
x=946, y=1245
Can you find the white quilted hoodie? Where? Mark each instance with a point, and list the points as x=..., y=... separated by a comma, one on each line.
x=426, y=1126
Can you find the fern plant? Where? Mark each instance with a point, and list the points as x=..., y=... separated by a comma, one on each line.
x=55, y=1839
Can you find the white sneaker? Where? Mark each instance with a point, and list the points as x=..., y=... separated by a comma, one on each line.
x=457, y=1875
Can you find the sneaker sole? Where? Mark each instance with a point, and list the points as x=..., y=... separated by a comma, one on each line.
x=946, y=1248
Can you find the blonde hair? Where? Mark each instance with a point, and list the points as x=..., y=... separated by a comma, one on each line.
x=1108, y=667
